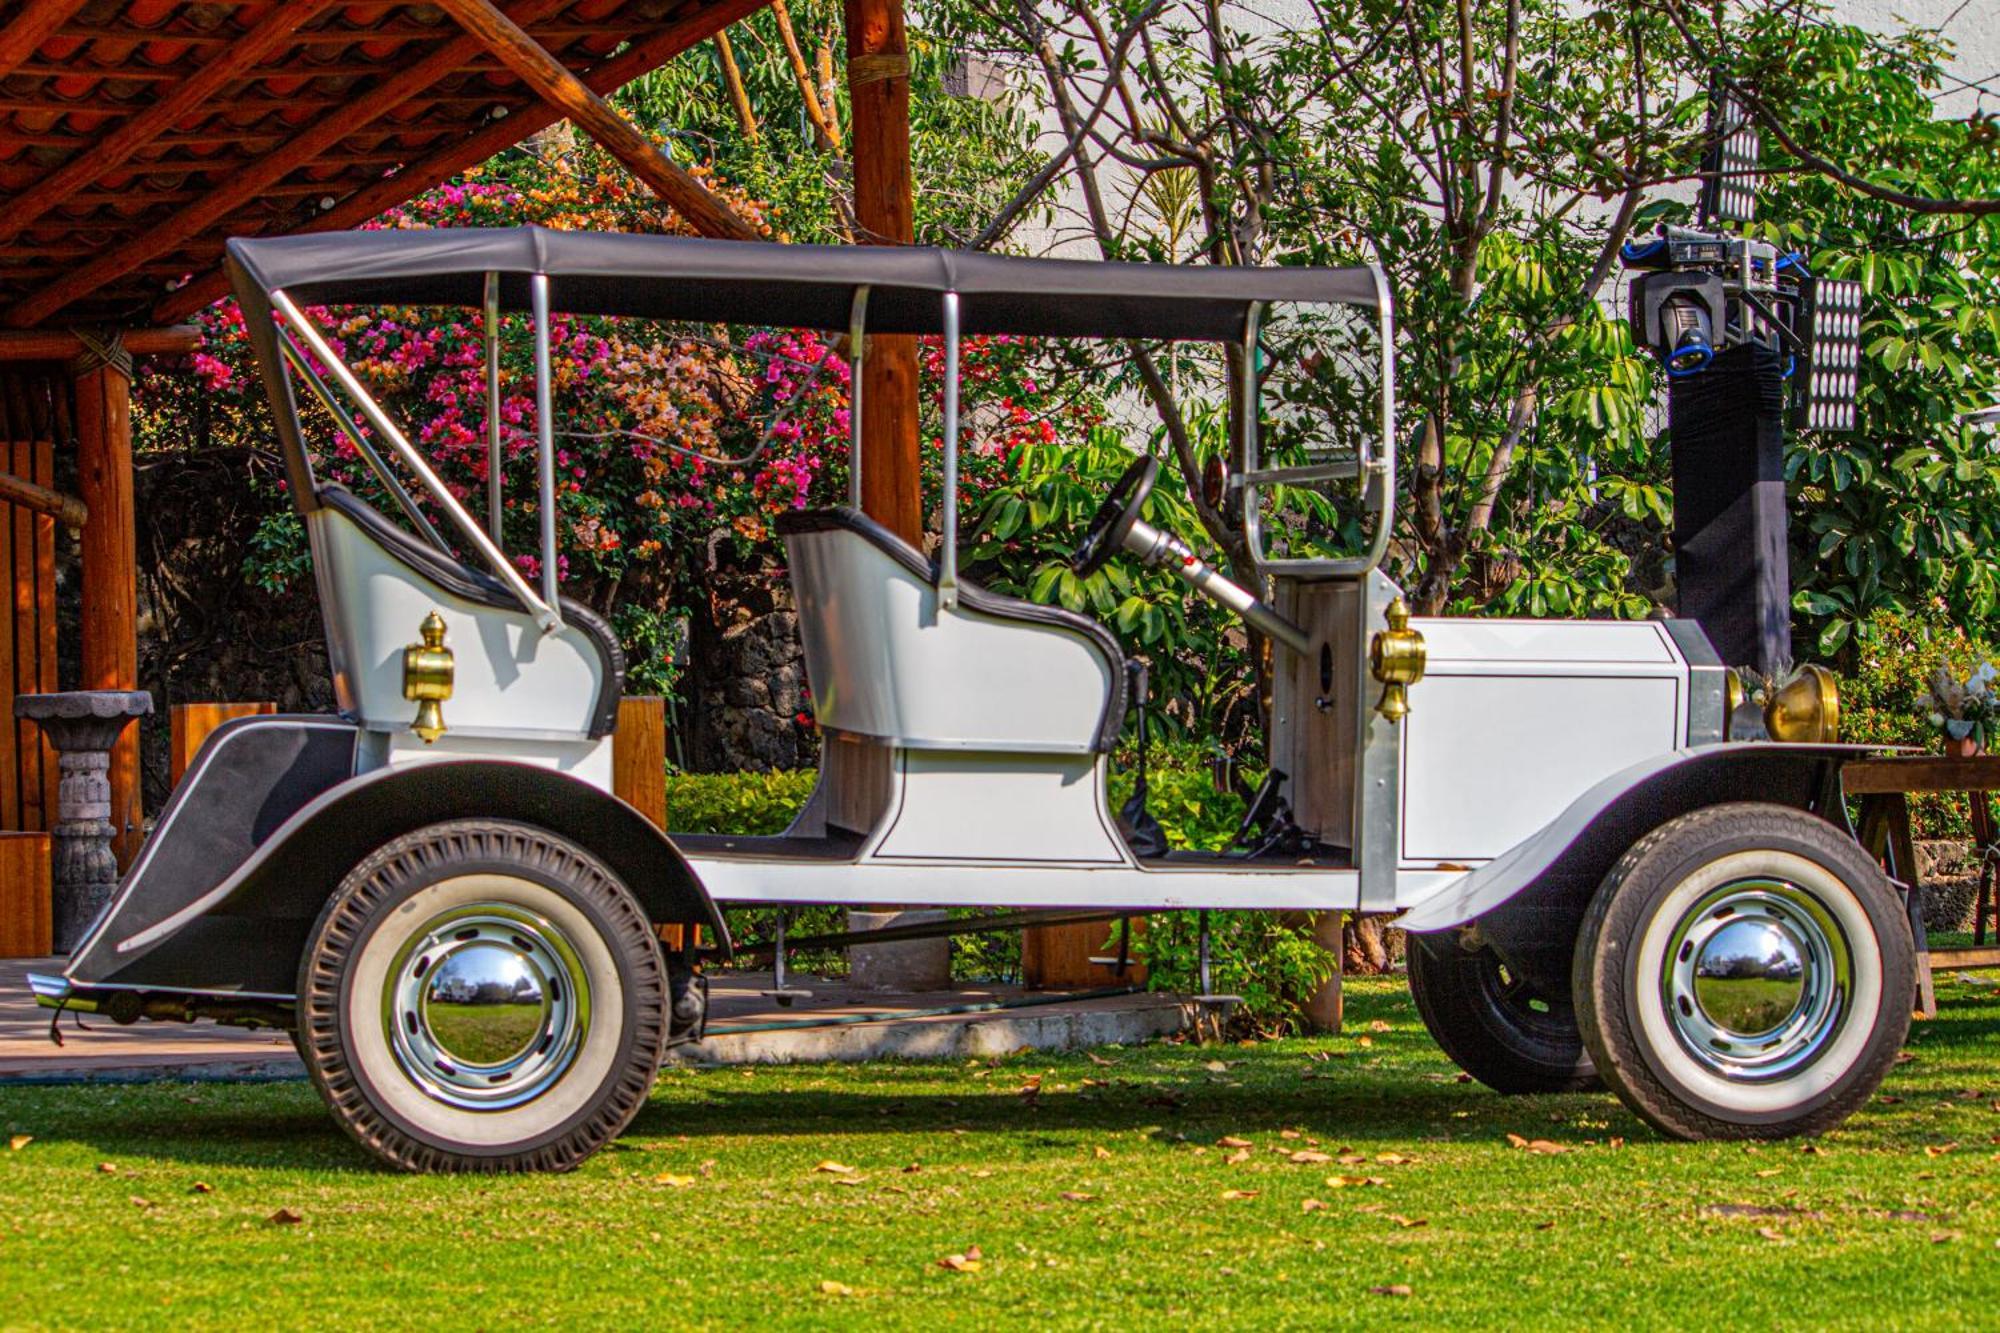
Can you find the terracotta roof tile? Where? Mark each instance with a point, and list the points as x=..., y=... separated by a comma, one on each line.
x=105, y=64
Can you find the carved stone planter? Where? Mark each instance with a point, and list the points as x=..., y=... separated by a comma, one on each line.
x=82, y=725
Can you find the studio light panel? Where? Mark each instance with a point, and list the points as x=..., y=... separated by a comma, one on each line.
x=1833, y=349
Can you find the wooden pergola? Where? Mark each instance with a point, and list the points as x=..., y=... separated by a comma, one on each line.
x=137, y=135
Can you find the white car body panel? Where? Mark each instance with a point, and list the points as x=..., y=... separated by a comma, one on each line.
x=512, y=681
x=1516, y=718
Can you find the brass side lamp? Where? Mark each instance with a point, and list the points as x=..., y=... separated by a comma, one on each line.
x=428, y=670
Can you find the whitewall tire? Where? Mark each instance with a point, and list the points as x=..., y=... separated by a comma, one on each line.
x=482, y=996
x=1744, y=971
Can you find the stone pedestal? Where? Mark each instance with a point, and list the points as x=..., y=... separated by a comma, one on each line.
x=83, y=725
x=906, y=965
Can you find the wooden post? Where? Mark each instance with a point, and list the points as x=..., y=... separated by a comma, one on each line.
x=191, y=724
x=878, y=86
x=25, y=879
x=110, y=564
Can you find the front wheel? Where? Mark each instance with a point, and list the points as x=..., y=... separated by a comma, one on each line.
x=482, y=996
x=1744, y=971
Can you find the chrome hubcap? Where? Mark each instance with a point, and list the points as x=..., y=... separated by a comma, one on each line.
x=486, y=1006
x=1757, y=979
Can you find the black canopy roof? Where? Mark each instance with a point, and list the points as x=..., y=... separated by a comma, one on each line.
x=802, y=286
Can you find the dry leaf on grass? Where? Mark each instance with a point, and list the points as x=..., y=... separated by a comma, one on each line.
x=107, y=1168
x=1077, y=1196
x=285, y=1217
x=19, y=1141
x=138, y=1202
x=1097, y=1059
x=1938, y=1149
x=969, y=1262
x=1352, y=1182
x=1393, y=1289
x=1100, y=1152
x=835, y=1169
x=1217, y=1066
x=1377, y=1025
x=1943, y=1237
x=673, y=1181
x=1309, y=1157
x=1288, y=1134
x=1543, y=1146
x=201, y=1187
x=1767, y=1173
x=1231, y=1141
x=850, y=1180
x=1770, y=1233
x=1408, y=1222
x=832, y=1288
x=1394, y=1159
x=1238, y=1157
x=1241, y=1194
x=1311, y=1206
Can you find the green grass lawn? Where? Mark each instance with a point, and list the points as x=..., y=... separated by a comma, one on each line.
x=1108, y=1197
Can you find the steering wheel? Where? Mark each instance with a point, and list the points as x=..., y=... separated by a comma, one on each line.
x=1115, y=517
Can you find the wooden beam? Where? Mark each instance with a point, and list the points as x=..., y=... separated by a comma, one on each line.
x=36, y=23
x=65, y=509
x=700, y=24
x=110, y=574
x=878, y=83
x=245, y=184
x=558, y=85
x=60, y=345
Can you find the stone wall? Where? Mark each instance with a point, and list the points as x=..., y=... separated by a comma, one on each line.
x=747, y=691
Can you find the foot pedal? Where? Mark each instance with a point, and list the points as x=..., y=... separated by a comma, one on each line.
x=787, y=997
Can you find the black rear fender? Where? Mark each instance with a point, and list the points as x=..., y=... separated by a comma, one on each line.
x=247, y=934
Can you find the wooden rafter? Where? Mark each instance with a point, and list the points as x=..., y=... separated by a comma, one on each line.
x=668, y=41
x=35, y=25
x=150, y=124
x=248, y=181
x=61, y=345
x=558, y=85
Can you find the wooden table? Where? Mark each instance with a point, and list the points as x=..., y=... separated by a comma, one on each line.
x=1885, y=787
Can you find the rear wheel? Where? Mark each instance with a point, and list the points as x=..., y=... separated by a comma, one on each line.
x=1494, y=1025
x=482, y=996
x=1744, y=971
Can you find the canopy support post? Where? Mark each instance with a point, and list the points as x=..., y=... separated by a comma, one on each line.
x=496, y=457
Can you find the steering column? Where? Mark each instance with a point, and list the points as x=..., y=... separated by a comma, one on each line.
x=1117, y=524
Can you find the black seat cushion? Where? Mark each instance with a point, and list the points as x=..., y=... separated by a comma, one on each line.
x=481, y=588
x=975, y=598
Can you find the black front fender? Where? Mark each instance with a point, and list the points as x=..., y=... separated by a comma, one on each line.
x=1528, y=904
x=247, y=934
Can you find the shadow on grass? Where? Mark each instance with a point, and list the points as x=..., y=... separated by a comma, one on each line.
x=1400, y=1092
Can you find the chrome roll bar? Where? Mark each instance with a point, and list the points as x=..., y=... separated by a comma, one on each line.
x=947, y=584
x=545, y=436
x=294, y=319
x=495, y=457
x=857, y=353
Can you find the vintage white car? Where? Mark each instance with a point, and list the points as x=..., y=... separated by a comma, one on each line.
x=436, y=891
